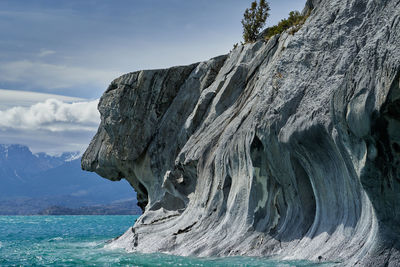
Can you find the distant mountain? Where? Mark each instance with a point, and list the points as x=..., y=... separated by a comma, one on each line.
x=17, y=163
x=30, y=183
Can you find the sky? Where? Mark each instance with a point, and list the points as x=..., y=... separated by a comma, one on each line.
x=58, y=57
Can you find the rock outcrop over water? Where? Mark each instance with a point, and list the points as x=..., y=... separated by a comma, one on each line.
x=287, y=148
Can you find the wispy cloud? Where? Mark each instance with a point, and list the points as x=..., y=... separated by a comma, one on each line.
x=45, y=52
x=52, y=76
x=52, y=115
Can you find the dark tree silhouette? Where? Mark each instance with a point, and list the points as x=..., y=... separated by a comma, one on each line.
x=254, y=20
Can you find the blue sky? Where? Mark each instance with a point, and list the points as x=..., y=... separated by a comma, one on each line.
x=75, y=48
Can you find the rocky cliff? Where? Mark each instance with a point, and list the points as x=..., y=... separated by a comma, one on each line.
x=286, y=148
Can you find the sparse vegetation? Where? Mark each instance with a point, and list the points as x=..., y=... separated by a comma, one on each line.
x=294, y=21
x=254, y=20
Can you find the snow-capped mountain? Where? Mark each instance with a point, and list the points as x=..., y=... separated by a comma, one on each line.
x=18, y=162
x=44, y=180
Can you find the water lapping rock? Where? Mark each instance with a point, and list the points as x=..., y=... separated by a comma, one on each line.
x=287, y=148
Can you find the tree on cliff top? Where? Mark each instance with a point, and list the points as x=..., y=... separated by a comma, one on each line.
x=254, y=19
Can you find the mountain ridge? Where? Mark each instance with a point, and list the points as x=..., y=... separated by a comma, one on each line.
x=31, y=183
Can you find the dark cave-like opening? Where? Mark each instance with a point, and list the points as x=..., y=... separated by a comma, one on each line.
x=305, y=195
x=142, y=196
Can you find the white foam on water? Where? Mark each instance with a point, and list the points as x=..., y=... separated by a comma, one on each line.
x=92, y=244
x=59, y=238
x=113, y=246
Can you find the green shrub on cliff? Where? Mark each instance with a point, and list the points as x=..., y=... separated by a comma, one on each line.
x=294, y=21
x=254, y=20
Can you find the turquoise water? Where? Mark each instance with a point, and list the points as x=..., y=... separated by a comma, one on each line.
x=80, y=240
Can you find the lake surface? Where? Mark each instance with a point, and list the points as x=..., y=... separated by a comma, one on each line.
x=80, y=240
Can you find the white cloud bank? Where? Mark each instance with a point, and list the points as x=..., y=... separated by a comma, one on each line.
x=13, y=98
x=52, y=115
x=47, y=123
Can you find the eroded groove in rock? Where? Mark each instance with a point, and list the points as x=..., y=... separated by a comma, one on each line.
x=288, y=148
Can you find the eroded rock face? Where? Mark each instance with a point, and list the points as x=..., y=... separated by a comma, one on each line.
x=287, y=148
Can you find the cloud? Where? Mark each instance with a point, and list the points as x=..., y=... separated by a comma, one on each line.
x=52, y=115
x=80, y=193
x=49, y=142
x=35, y=74
x=12, y=98
x=44, y=52
x=52, y=126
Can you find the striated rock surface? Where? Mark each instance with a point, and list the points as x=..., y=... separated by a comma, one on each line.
x=286, y=148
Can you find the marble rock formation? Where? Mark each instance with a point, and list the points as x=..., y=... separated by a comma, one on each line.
x=287, y=148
